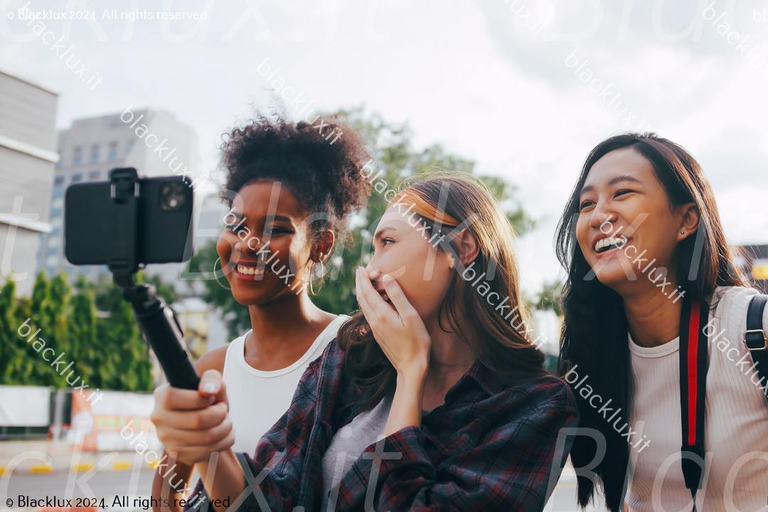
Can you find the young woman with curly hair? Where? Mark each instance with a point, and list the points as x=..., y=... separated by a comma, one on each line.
x=290, y=190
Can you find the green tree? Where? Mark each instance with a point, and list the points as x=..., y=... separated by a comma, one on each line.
x=550, y=295
x=9, y=346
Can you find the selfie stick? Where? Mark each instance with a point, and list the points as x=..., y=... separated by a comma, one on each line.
x=156, y=319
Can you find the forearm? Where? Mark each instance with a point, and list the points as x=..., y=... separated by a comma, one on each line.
x=222, y=479
x=406, y=404
x=168, y=487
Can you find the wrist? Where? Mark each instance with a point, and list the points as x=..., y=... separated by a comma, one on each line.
x=413, y=375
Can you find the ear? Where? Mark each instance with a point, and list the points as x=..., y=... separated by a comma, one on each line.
x=323, y=246
x=689, y=220
x=466, y=246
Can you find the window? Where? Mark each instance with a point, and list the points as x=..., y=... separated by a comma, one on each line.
x=58, y=192
x=59, y=180
x=52, y=251
x=57, y=202
x=77, y=157
x=77, y=177
x=94, y=175
x=113, y=150
x=94, y=153
x=128, y=145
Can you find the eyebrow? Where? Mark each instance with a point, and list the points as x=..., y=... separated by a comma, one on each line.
x=613, y=181
x=381, y=232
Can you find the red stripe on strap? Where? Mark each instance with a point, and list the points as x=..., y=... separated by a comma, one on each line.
x=693, y=345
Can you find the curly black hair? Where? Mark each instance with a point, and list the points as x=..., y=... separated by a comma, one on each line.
x=320, y=162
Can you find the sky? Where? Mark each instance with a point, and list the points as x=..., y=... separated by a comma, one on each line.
x=523, y=88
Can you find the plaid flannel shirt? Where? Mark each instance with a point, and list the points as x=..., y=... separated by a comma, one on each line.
x=488, y=447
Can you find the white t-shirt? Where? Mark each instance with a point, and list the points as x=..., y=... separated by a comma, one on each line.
x=257, y=399
x=736, y=424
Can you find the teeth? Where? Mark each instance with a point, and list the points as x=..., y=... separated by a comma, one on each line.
x=611, y=241
x=249, y=271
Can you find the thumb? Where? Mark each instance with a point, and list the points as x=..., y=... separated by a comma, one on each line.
x=212, y=385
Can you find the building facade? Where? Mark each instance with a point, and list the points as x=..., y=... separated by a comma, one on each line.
x=27, y=159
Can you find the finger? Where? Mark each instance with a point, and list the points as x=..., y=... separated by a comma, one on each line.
x=212, y=385
x=361, y=300
x=176, y=439
x=196, y=454
x=177, y=399
x=371, y=297
x=194, y=420
x=398, y=298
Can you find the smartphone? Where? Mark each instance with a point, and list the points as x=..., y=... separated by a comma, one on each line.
x=163, y=223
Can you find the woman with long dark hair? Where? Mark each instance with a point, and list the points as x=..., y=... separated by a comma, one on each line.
x=673, y=407
x=434, y=397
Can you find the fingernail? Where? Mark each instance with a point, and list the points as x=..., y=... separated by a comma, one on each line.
x=209, y=387
x=387, y=277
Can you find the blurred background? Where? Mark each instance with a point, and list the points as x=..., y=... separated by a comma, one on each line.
x=516, y=92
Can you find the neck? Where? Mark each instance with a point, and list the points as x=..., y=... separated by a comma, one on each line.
x=276, y=323
x=653, y=318
x=449, y=353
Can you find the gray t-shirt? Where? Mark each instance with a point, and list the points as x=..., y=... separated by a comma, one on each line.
x=348, y=444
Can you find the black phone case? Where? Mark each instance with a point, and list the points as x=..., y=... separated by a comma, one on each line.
x=163, y=236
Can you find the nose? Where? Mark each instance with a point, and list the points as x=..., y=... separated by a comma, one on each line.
x=373, y=271
x=251, y=244
x=602, y=219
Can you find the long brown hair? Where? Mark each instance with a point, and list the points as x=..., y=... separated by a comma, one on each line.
x=503, y=346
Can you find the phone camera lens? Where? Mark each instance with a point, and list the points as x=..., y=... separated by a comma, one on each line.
x=172, y=196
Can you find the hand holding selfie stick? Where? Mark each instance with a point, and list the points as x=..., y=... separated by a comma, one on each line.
x=156, y=319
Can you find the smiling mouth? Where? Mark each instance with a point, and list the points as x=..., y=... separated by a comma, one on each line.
x=249, y=272
x=610, y=243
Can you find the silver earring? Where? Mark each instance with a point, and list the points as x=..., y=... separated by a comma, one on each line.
x=216, y=276
x=682, y=231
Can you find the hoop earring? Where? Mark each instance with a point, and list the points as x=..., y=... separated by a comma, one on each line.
x=311, y=272
x=215, y=274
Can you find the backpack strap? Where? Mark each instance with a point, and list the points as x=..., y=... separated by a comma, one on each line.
x=755, y=337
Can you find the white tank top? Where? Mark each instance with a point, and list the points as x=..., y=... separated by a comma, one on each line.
x=257, y=399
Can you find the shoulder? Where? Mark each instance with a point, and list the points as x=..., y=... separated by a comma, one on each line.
x=332, y=356
x=548, y=395
x=212, y=360
x=730, y=303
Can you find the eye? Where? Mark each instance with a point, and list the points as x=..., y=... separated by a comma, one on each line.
x=385, y=241
x=234, y=228
x=623, y=192
x=274, y=230
x=585, y=204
